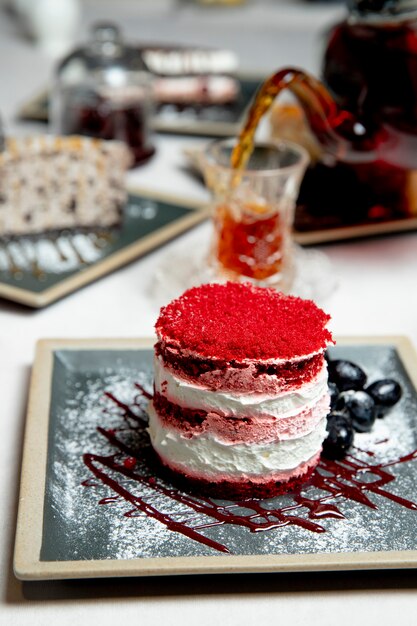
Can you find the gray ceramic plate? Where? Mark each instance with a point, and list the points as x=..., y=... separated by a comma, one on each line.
x=38, y=272
x=93, y=504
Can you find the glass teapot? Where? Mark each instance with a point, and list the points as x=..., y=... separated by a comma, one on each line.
x=363, y=116
x=104, y=90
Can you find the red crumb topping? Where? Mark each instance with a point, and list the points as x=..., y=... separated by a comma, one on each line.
x=130, y=462
x=238, y=321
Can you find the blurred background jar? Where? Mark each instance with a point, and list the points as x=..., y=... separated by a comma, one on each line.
x=104, y=90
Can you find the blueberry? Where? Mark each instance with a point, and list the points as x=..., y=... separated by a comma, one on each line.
x=335, y=416
x=361, y=408
x=342, y=400
x=346, y=375
x=334, y=394
x=340, y=436
x=385, y=392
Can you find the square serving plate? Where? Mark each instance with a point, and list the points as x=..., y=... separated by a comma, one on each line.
x=80, y=515
x=39, y=271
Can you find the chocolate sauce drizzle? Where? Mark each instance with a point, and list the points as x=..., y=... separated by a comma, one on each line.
x=350, y=479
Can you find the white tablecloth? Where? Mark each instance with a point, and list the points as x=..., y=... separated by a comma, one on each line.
x=376, y=294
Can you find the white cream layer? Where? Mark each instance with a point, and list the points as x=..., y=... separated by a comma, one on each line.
x=229, y=403
x=206, y=455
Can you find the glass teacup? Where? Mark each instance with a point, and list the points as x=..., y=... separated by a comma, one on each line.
x=253, y=211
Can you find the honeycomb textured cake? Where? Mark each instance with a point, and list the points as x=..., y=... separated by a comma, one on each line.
x=50, y=183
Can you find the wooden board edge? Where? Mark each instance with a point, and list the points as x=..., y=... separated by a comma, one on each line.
x=35, y=446
x=173, y=566
x=168, y=197
x=346, y=233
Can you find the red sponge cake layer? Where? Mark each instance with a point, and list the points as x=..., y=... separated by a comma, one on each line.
x=239, y=322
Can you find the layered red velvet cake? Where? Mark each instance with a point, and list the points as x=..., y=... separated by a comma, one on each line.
x=240, y=393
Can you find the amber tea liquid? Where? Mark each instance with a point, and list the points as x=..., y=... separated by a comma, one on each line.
x=252, y=243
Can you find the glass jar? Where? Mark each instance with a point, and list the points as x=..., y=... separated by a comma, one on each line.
x=104, y=90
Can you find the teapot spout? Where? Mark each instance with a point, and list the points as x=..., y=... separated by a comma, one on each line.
x=341, y=135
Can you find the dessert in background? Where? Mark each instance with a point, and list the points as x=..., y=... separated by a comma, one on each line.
x=240, y=399
x=193, y=76
x=196, y=90
x=178, y=61
x=52, y=183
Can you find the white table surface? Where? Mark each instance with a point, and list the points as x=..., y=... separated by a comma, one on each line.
x=376, y=294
